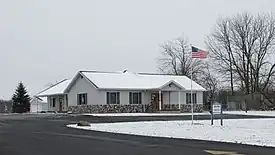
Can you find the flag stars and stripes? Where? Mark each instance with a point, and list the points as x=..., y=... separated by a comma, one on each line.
x=198, y=53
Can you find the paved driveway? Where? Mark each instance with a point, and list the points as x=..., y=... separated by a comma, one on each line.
x=47, y=135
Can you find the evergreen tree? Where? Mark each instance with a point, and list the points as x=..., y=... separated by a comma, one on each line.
x=21, y=99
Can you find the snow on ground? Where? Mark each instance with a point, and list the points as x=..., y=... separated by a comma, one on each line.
x=246, y=131
x=256, y=113
x=147, y=114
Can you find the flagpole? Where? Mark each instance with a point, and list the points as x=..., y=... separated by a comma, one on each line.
x=202, y=54
x=191, y=87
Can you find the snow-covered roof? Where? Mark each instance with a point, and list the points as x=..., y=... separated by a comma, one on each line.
x=43, y=99
x=55, y=89
x=123, y=80
x=128, y=80
x=40, y=99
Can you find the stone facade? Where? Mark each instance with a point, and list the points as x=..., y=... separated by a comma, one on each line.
x=131, y=108
x=107, y=108
x=187, y=108
x=183, y=107
x=170, y=107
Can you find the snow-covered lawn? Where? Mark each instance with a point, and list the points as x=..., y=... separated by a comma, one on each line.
x=246, y=131
x=255, y=113
x=147, y=114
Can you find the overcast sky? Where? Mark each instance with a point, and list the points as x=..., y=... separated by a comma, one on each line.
x=43, y=41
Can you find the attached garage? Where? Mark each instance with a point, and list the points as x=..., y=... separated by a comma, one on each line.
x=39, y=104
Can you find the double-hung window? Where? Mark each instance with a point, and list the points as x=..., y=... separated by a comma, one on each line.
x=135, y=98
x=82, y=99
x=113, y=98
x=53, y=102
x=188, y=98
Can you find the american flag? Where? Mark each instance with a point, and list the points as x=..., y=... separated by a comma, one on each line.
x=198, y=53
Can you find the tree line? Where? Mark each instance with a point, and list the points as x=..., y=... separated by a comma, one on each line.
x=241, y=49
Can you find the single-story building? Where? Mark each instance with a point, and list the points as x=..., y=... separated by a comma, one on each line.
x=102, y=92
x=39, y=104
x=56, y=98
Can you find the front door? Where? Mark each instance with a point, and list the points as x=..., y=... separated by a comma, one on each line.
x=155, y=101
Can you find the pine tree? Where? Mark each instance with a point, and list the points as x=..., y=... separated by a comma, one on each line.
x=21, y=99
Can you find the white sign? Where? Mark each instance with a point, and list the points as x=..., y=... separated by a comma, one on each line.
x=216, y=108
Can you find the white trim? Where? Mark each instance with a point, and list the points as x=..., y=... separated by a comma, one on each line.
x=51, y=95
x=81, y=93
x=51, y=102
x=145, y=89
x=179, y=98
x=160, y=100
x=78, y=75
x=170, y=82
x=191, y=99
x=116, y=97
x=132, y=97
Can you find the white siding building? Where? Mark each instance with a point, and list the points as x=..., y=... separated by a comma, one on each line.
x=98, y=92
x=39, y=104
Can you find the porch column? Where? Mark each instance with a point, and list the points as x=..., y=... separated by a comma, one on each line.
x=49, y=103
x=65, y=103
x=179, y=99
x=159, y=100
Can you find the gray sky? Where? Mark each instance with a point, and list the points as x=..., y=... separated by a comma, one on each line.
x=47, y=40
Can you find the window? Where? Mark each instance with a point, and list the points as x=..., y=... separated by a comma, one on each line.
x=188, y=98
x=53, y=102
x=113, y=98
x=135, y=98
x=82, y=99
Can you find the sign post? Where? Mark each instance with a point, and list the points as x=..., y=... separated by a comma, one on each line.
x=211, y=117
x=221, y=117
x=216, y=109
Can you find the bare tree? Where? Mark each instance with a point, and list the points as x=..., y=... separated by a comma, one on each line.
x=210, y=82
x=5, y=106
x=176, y=59
x=240, y=47
x=220, y=48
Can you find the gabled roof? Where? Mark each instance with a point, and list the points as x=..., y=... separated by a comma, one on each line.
x=72, y=82
x=122, y=81
x=41, y=99
x=135, y=81
x=172, y=82
x=56, y=89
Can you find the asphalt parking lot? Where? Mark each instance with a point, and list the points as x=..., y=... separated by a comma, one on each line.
x=48, y=135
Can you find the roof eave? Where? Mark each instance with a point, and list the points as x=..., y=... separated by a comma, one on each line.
x=70, y=85
x=143, y=89
x=172, y=81
x=46, y=95
x=196, y=90
x=50, y=87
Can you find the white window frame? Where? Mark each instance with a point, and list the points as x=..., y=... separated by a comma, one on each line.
x=194, y=98
x=79, y=95
x=108, y=97
x=53, y=99
x=131, y=98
